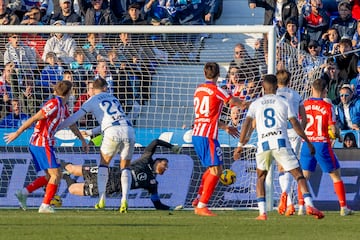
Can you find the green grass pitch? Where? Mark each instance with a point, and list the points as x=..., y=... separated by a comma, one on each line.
x=176, y=225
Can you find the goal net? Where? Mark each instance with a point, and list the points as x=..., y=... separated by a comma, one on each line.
x=153, y=71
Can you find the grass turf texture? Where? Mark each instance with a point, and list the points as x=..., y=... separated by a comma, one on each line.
x=158, y=225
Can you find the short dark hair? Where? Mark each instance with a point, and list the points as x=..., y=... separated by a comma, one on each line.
x=319, y=84
x=270, y=78
x=100, y=83
x=211, y=70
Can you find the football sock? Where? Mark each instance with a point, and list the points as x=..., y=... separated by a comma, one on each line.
x=126, y=179
x=102, y=178
x=209, y=187
x=36, y=184
x=300, y=197
x=340, y=192
x=201, y=187
x=50, y=192
x=261, y=205
x=284, y=181
x=308, y=200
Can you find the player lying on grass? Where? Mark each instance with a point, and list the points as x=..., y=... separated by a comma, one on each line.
x=144, y=172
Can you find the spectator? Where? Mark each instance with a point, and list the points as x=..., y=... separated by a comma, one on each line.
x=347, y=61
x=7, y=17
x=81, y=70
x=245, y=63
x=23, y=57
x=5, y=89
x=315, y=22
x=119, y=8
x=350, y=140
x=16, y=118
x=329, y=42
x=355, y=82
x=88, y=120
x=277, y=12
x=51, y=74
x=26, y=6
x=134, y=17
x=66, y=13
x=348, y=110
x=334, y=81
x=235, y=117
x=292, y=37
x=159, y=12
x=61, y=44
x=97, y=13
x=213, y=11
x=356, y=37
x=94, y=49
x=191, y=12
x=102, y=72
x=313, y=60
x=344, y=23
x=32, y=17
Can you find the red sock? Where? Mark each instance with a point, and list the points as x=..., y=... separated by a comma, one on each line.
x=300, y=197
x=209, y=187
x=36, y=184
x=50, y=192
x=340, y=192
x=201, y=187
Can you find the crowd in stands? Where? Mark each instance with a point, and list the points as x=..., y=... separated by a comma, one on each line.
x=312, y=37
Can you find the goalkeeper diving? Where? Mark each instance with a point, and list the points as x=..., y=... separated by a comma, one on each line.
x=143, y=169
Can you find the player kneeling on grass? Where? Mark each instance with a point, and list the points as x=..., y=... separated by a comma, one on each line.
x=144, y=171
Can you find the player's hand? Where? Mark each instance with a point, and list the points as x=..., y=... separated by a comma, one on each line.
x=311, y=148
x=9, y=137
x=177, y=208
x=237, y=153
x=85, y=146
x=232, y=131
x=176, y=149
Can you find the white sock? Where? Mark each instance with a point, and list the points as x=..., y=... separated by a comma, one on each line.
x=201, y=205
x=126, y=179
x=102, y=178
x=289, y=200
x=308, y=202
x=262, y=207
x=284, y=181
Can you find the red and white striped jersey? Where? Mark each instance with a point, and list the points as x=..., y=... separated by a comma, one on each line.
x=45, y=129
x=208, y=102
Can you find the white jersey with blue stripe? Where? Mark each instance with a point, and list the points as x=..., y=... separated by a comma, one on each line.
x=106, y=109
x=271, y=113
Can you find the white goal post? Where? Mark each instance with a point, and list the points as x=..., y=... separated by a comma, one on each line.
x=176, y=55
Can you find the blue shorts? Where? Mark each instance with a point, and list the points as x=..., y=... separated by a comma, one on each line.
x=324, y=155
x=43, y=157
x=208, y=150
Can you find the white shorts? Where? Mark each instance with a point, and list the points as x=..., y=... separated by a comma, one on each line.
x=283, y=156
x=118, y=139
x=295, y=141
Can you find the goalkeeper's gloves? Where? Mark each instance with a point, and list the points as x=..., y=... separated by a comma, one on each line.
x=176, y=149
x=177, y=208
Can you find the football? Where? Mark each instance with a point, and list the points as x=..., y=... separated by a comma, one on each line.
x=228, y=177
x=56, y=201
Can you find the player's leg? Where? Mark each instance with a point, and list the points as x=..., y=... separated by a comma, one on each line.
x=201, y=188
x=72, y=169
x=51, y=189
x=263, y=160
x=102, y=178
x=126, y=153
x=284, y=181
x=76, y=189
x=330, y=164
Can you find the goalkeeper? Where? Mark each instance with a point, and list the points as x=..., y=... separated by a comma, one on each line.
x=144, y=171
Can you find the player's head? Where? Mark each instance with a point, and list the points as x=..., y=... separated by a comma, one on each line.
x=63, y=88
x=283, y=77
x=160, y=165
x=212, y=71
x=100, y=85
x=269, y=83
x=319, y=88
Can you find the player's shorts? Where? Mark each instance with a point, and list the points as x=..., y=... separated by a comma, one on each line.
x=44, y=157
x=283, y=156
x=324, y=155
x=118, y=139
x=295, y=141
x=208, y=150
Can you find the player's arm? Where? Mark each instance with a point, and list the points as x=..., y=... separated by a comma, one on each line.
x=27, y=124
x=72, y=119
x=238, y=102
x=155, y=199
x=78, y=134
x=151, y=148
x=232, y=131
x=244, y=136
x=302, y=114
x=300, y=131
